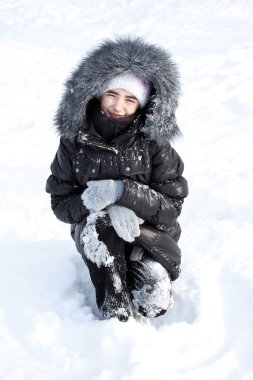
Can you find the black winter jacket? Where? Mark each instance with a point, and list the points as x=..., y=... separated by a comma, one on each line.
x=153, y=184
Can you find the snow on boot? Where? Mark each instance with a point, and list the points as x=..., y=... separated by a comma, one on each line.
x=151, y=289
x=118, y=307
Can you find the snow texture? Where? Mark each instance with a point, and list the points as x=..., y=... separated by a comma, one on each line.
x=117, y=283
x=94, y=249
x=49, y=325
x=156, y=293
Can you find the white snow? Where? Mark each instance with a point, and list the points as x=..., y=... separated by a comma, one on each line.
x=49, y=327
x=94, y=249
x=154, y=296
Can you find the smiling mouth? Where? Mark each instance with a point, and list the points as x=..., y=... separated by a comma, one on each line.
x=115, y=116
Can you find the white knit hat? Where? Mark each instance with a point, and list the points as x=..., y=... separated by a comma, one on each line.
x=130, y=82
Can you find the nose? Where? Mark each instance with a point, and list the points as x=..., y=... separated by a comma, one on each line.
x=118, y=105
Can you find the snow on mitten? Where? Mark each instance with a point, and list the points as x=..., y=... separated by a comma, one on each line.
x=100, y=194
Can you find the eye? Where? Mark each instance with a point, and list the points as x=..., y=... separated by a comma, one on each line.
x=131, y=101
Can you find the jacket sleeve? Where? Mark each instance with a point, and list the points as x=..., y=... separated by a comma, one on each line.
x=158, y=203
x=66, y=199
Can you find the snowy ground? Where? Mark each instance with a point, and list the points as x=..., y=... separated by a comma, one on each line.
x=48, y=326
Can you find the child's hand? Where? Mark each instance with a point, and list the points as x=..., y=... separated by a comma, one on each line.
x=125, y=222
x=100, y=194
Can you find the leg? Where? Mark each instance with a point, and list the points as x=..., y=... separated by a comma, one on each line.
x=150, y=285
x=104, y=254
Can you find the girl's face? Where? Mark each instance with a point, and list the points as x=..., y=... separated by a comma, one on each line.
x=118, y=103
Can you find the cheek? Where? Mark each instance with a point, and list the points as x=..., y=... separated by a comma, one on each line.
x=104, y=102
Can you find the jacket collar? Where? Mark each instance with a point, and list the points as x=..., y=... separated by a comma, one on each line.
x=91, y=136
x=108, y=128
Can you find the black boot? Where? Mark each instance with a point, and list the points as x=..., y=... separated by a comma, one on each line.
x=150, y=285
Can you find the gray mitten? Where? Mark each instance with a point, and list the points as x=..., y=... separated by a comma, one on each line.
x=125, y=222
x=100, y=194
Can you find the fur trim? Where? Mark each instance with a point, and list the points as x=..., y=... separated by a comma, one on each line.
x=112, y=58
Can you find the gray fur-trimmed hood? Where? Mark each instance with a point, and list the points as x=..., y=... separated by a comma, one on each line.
x=113, y=57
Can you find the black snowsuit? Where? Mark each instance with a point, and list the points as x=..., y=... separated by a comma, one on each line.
x=153, y=188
